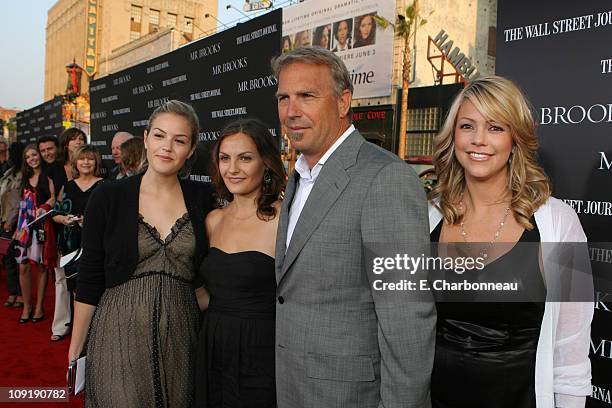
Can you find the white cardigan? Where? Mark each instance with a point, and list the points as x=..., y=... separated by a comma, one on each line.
x=563, y=368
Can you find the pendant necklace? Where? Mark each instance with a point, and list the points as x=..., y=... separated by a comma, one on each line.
x=484, y=251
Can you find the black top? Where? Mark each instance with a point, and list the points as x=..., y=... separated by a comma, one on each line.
x=110, y=234
x=44, y=192
x=235, y=356
x=241, y=284
x=56, y=173
x=486, y=352
x=73, y=201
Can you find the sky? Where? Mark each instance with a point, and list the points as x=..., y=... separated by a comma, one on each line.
x=22, y=46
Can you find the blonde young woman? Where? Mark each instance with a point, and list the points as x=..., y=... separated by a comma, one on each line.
x=133, y=156
x=490, y=191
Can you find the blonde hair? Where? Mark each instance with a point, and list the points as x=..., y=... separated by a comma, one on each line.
x=498, y=100
x=133, y=155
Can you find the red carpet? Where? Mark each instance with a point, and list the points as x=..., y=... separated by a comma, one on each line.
x=27, y=357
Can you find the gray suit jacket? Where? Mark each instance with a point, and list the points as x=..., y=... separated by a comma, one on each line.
x=339, y=342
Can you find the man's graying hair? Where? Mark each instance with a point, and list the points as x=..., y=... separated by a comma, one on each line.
x=316, y=56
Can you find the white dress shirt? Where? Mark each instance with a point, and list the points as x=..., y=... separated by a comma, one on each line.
x=306, y=182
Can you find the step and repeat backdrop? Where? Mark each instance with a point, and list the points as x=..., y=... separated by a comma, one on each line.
x=558, y=52
x=42, y=120
x=225, y=77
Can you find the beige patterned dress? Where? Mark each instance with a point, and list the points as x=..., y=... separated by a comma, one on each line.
x=143, y=334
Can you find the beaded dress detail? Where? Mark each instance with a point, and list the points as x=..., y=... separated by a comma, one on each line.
x=144, y=331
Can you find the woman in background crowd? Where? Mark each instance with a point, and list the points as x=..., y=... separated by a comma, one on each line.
x=235, y=365
x=365, y=31
x=29, y=238
x=10, y=194
x=491, y=190
x=61, y=171
x=133, y=156
x=75, y=194
x=73, y=199
x=143, y=238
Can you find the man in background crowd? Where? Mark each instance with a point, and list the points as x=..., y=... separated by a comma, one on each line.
x=48, y=147
x=120, y=137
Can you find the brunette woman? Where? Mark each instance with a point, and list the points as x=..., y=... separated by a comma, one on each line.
x=29, y=237
x=236, y=346
x=365, y=31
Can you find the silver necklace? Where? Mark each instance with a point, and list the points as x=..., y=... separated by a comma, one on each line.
x=484, y=251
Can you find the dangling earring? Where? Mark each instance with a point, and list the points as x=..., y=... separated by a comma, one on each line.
x=267, y=179
x=511, y=155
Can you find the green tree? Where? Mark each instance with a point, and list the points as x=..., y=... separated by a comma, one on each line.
x=405, y=27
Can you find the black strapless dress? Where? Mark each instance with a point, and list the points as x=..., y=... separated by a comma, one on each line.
x=235, y=363
x=486, y=352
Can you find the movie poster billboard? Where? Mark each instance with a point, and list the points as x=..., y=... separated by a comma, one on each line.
x=348, y=29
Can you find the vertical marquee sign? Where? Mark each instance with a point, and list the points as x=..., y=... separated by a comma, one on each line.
x=555, y=50
x=225, y=77
x=91, y=37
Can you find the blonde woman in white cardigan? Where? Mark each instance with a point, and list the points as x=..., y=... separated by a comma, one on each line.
x=492, y=191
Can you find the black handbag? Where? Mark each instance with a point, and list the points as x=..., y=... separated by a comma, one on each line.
x=71, y=269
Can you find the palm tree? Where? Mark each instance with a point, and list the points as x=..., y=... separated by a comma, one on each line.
x=405, y=27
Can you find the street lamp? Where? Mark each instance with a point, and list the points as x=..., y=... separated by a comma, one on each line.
x=216, y=19
x=73, y=90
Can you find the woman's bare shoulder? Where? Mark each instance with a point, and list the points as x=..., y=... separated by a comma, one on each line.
x=214, y=216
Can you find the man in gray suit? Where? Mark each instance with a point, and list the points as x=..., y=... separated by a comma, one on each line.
x=340, y=342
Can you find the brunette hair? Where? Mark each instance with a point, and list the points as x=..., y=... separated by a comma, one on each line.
x=48, y=138
x=65, y=138
x=267, y=147
x=26, y=170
